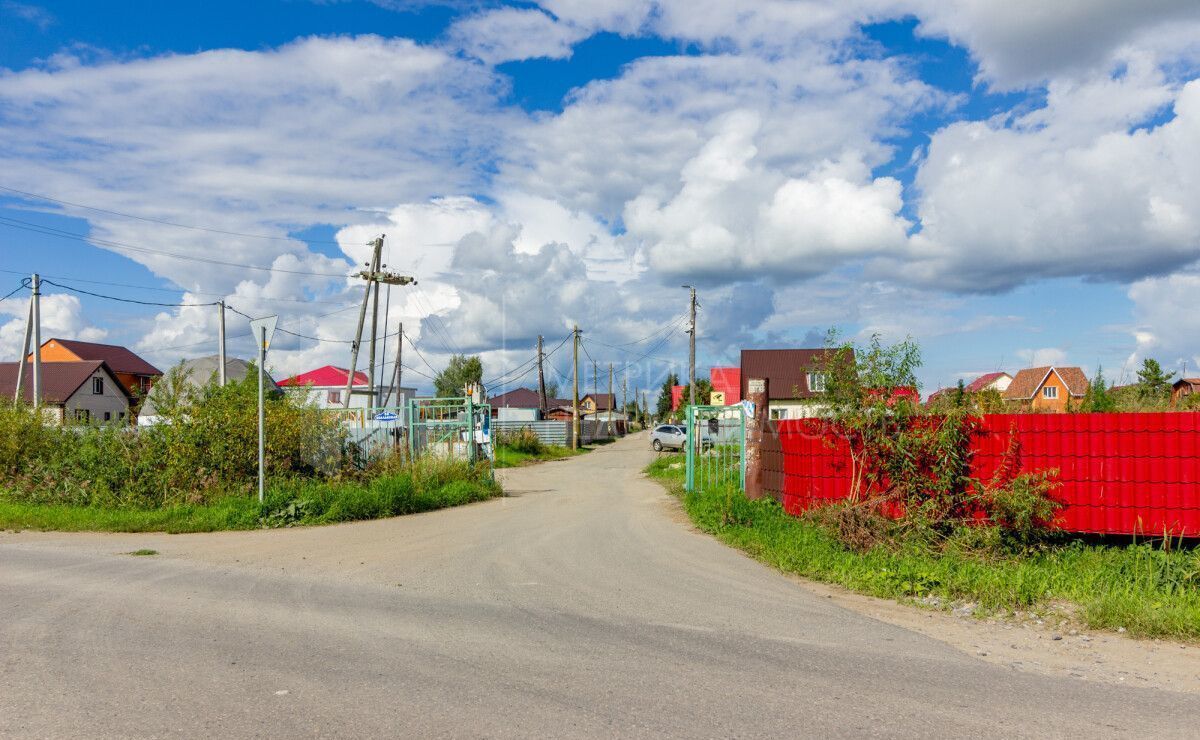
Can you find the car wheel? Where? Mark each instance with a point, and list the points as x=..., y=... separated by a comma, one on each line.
x=657, y=445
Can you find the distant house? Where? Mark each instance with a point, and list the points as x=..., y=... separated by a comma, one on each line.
x=197, y=373
x=1046, y=388
x=939, y=394
x=1183, y=388
x=677, y=396
x=988, y=382
x=327, y=388
x=73, y=392
x=522, y=404
x=596, y=403
x=795, y=379
x=132, y=371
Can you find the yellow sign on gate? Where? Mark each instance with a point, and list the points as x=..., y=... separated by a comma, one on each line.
x=717, y=398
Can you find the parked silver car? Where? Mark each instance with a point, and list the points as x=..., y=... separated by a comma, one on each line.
x=668, y=436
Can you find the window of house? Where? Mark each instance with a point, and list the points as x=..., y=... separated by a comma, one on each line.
x=108, y=416
x=98, y=386
x=777, y=414
x=335, y=397
x=82, y=415
x=816, y=382
x=1050, y=391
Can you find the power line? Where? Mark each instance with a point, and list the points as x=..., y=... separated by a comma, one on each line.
x=24, y=284
x=163, y=222
x=413, y=344
x=168, y=290
x=15, y=223
x=127, y=300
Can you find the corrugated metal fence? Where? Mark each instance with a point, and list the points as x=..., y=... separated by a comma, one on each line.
x=1117, y=473
x=550, y=432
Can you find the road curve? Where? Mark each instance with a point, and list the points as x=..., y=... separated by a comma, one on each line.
x=580, y=605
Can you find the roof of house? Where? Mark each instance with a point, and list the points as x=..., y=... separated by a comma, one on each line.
x=119, y=359
x=60, y=380
x=517, y=398
x=984, y=381
x=786, y=370
x=199, y=371
x=1185, y=381
x=1027, y=382
x=939, y=393
x=330, y=376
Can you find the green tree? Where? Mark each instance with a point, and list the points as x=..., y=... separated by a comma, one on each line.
x=552, y=389
x=663, y=408
x=460, y=372
x=1098, y=398
x=703, y=391
x=1153, y=383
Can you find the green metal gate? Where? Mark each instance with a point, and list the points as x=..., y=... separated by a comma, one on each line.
x=716, y=447
x=450, y=427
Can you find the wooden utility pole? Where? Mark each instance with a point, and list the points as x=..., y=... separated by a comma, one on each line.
x=374, y=397
x=541, y=379
x=575, y=393
x=612, y=401
x=625, y=397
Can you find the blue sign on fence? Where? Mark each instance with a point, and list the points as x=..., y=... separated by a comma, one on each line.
x=386, y=416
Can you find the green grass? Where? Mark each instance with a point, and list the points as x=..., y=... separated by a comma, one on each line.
x=507, y=457
x=1148, y=591
x=144, y=552
x=288, y=503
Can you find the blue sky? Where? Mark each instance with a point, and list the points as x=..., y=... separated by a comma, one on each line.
x=960, y=172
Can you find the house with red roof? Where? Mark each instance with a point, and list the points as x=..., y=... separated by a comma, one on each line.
x=326, y=387
x=998, y=381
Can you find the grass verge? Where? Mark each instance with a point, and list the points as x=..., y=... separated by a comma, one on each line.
x=1148, y=591
x=287, y=504
x=509, y=457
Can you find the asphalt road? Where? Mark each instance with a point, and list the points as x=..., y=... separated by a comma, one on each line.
x=580, y=606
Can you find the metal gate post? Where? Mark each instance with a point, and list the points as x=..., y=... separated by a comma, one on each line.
x=690, y=479
x=742, y=416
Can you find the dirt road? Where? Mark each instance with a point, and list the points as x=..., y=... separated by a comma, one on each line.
x=581, y=605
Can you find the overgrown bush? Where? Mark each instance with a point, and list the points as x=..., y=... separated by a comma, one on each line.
x=204, y=447
x=521, y=440
x=913, y=465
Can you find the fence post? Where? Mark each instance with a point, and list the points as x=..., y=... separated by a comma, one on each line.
x=742, y=417
x=757, y=394
x=690, y=477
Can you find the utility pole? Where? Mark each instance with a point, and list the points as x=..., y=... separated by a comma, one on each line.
x=37, y=340
x=541, y=378
x=374, y=397
x=221, y=341
x=692, y=351
x=612, y=400
x=374, y=276
x=595, y=381
x=625, y=397
x=575, y=392
x=19, y=395
x=397, y=375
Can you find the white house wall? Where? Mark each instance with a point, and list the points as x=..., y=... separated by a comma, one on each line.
x=112, y=401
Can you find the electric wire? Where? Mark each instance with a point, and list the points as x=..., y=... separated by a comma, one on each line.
x=24, y=284
x=127, y=300
x=163, y=222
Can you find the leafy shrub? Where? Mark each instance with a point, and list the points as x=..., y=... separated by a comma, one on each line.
x=521, y=440
x=205, y=447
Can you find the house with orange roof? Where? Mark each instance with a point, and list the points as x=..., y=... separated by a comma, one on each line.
x=1047, y=388
x=134, y=373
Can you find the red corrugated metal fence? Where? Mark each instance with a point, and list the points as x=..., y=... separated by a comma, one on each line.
x=1117, y=473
